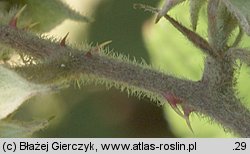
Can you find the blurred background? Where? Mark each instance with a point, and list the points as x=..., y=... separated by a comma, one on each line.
x=94, y=111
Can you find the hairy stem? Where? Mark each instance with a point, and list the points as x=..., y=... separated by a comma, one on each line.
x=56, y=62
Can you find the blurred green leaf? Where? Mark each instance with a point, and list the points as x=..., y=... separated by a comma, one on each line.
x=168, y=5
x=14, y=90
x=195, y=6
x=48, y=13
x=241, y=10
x=11, y=128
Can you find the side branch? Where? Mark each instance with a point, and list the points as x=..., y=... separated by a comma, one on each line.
x=242, y=54
x=192, y=36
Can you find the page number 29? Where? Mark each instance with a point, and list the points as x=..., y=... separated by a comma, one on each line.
x=240, y=146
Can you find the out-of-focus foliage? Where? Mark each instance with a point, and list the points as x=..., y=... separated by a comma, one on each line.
x=14, y=90
x=46, y=13
x=195, y=7
x=10, y=128
x=240, y=9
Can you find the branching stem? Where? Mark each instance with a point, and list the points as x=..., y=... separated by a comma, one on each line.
x=56, y=62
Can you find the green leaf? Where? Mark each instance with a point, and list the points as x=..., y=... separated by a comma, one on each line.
x=48, y=13
x=12, y=128
x=221, y=23
x=241, y=10
x=14, y=90
x=168, y=4
x=195, y=6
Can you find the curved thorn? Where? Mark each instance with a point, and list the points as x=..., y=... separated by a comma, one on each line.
x=187, y=111
x=188, y=123
x=63, y=41
x=105, y=43
x=100, y=46
x=173, y=101
x=13, y=21
x=88, y=54
x=177, y=110
x=28, y=27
